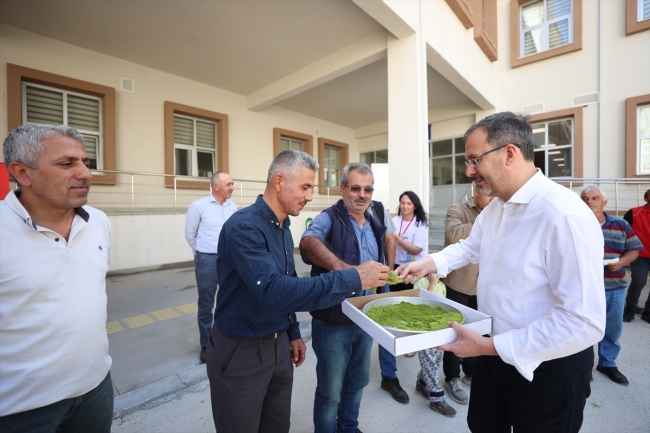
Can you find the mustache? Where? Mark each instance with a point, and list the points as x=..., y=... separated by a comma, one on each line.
x=361, y=200
x=303, y=203
x=84, y=184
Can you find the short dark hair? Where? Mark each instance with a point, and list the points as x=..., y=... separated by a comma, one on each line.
x=646, y=194
x=505, y=128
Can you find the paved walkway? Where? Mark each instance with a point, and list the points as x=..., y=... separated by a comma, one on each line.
x=161, y=387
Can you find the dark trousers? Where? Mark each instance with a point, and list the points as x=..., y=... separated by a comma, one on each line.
x=552, y=403
x=450, y=362
x=88, y=413
x=639, y=269
x=250, y=383
x=205, y=270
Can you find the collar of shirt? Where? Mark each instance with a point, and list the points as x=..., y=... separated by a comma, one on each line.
x=268, y=213
x=528, y=190
x=17, y=207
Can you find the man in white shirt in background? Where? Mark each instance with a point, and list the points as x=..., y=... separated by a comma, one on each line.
x=539, y=250
x=203, y=223
x=54, y=254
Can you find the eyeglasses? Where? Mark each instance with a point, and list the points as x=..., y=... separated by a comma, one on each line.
x=473, y=161
x=357, y=189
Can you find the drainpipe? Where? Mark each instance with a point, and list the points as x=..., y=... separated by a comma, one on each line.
x=424, y=106
x=601, y=80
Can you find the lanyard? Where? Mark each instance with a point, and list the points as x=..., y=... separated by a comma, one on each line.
x=407, y=226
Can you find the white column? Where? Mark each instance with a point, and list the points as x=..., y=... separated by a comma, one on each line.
x=408, y=153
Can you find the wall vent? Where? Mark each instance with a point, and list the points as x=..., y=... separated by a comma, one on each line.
x=533, y=108
x=586, y=99
x=317, y=132
x=128, y=85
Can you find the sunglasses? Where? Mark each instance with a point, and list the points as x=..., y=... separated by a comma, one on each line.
x=357, y=189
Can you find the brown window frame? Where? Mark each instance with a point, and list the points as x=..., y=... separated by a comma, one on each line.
x=577, y=116
x=485, y=28
x=515, y=31
x=345, y=154
x=220, y=119
x=16, y=75
x=307, y=140
x=463, y=11
x=631, y=151
x=632, y=25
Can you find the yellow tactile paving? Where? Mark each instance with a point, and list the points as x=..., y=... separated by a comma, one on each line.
x=165, y=314
x=188, y=308
x=113, y=327
x=135, y=321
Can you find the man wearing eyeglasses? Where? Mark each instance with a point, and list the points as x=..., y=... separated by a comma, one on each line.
x=539, y=251
x=343, y=236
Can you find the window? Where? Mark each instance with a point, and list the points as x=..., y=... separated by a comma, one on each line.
x=638, y=16
x=447, y=162
x=196, y=144
x=42, y=104
x=637, y=136
x=332, y=158
x=284, y=139
x=554, y=147
x=541, y=29
x=558, y=142
x=35, y=96
x=545, y=24
x=643, y=138
x=375, y=157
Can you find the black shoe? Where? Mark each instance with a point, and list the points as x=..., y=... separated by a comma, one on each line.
x=393, y=386
x=443, y=408
x=639, y=310
x=202, y=355
x=421, y=387
x=645, y=317
x=628, y=317
x=358, y=431
x=613, y=374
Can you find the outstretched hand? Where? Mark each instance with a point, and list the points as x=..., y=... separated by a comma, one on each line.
x=413, y=271
x=469, y=343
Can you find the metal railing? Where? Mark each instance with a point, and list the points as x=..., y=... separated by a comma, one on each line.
x=147, y=193
x=622, y=193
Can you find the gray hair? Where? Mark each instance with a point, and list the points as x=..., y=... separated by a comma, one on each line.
x=360, y=167
x=288, y=162
x=591, y=188
x=216, y=179
x=505, y=128
x=25, y=143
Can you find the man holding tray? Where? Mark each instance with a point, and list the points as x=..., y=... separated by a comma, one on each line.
x=539, y=251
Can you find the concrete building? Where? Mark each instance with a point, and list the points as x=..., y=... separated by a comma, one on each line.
x=168, y=92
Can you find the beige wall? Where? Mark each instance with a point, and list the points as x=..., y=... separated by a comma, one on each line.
x=139, y=115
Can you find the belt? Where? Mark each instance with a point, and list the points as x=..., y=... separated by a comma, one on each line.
x=208, y=254
x=271, y=336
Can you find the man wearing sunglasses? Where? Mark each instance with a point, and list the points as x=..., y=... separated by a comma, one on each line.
x=539, y=251
x=344, y=235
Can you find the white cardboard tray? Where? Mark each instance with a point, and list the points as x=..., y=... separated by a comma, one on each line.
x=399, y=343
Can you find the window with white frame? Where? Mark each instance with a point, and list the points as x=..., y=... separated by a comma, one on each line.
x=643, y=138
x=544, y=25
x=447, y=162
x=49, y=105
x=643, y=10
x=374, y=157
x=332, y=166
x=291, y=144
x=554, y=147
x=195, y=145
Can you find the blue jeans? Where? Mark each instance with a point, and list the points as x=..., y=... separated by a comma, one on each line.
x=342, y=371
x=609, y=347
x=88, y=413
x=387, y=363
x=205, y=269
x=639, y=269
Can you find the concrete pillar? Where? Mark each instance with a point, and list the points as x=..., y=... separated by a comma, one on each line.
x=408, y=153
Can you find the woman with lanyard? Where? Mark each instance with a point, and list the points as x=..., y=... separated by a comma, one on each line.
x=412, y=235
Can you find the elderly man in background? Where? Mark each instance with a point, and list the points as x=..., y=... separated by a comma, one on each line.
x=539, y=250
x=54, y=254
x=621, y=248
x=461, y=287
x=203, y=223
x=256, y=337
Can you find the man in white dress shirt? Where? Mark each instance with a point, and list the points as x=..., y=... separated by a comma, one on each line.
x=203, y=223
x=539, y=250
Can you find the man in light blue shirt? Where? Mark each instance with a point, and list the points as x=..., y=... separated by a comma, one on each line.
x=203, y=223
